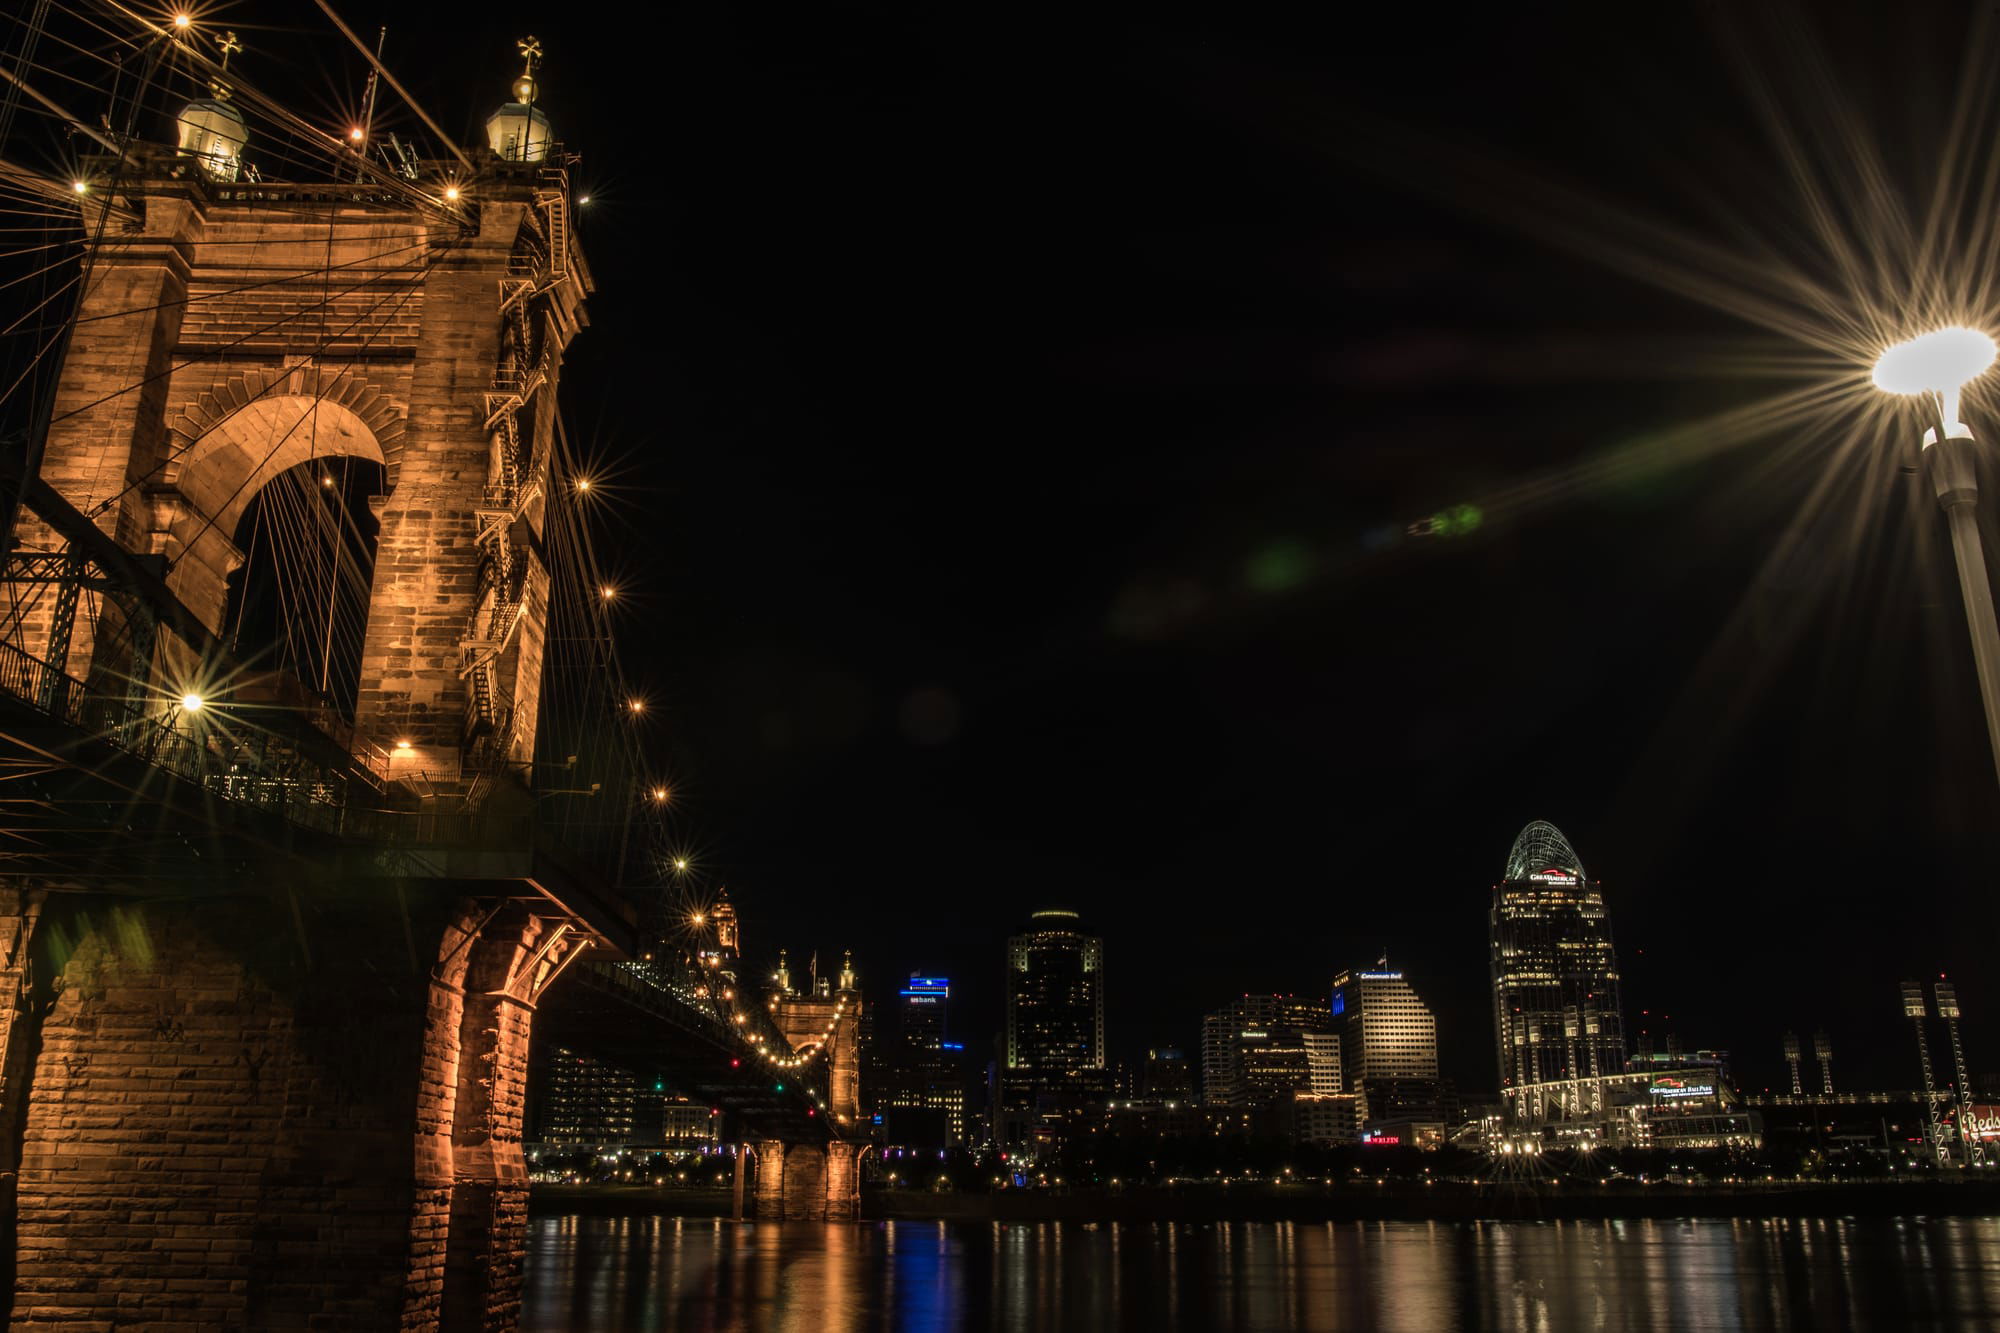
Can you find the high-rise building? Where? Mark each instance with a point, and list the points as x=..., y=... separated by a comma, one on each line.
x=1052, y=1059
x=1388, y=1038
x=1255, y=1048
x=1055, y=996
x=916, y=1079
x=922, y=1012
x=1556, y=1012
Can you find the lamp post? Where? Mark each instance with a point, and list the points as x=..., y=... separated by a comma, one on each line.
x=1938, y=365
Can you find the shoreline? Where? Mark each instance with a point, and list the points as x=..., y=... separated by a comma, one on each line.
x=1309, y=1203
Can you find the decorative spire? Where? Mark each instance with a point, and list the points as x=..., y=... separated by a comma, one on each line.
x=518, y=131
x=211, y=130
x=847, y=971
x=228, y=46
x=525, y=87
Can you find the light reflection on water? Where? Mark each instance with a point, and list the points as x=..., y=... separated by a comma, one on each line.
x=1424, y=1277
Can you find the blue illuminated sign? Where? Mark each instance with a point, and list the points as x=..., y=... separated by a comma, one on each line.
x=952, y=1045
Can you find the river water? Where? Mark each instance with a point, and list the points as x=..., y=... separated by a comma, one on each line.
x=606, y=1273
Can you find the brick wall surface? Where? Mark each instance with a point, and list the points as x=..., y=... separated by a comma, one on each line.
x=769, y=1199
x=805, y=1182
x=427, y=562
x=218, y=1134
x=489, y=1208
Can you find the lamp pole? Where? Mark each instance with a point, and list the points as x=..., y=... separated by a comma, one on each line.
x=1955, y=476
x=1937, y=366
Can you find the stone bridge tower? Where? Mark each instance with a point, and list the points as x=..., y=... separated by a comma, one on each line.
x=233, y=333
x=819, y=1181
x=262, y=1056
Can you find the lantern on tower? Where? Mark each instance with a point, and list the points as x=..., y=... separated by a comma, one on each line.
x=211, y=130
x=518, y=131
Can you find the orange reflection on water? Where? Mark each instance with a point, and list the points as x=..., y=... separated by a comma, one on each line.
x=1425, y=1277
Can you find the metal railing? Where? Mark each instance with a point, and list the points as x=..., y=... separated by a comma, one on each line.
x=234, y=754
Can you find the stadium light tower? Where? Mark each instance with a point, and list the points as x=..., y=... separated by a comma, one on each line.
x=1938, y=365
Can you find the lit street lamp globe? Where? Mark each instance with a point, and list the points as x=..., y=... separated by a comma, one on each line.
x=1943, y=362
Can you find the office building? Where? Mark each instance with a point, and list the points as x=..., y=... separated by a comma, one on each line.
x=1165, y=1077
x=921, y=1012
x=1254, y=1049
x=582, y=1101
x=918, y=1075
x=1388, y=1040
x=1052, y=1056
x=1555, y=974
x=1323, y=1120
x=1055, y=996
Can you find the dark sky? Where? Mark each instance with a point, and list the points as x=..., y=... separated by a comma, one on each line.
x=1016, y=419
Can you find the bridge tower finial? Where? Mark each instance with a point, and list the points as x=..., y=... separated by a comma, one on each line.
x=783, y=976
x=847, y=979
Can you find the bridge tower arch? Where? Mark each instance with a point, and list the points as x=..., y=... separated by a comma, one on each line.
x=203, y=496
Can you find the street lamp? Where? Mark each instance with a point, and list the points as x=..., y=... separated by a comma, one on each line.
x=1942, y=363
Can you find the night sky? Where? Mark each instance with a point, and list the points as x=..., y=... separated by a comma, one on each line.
x=1016, y=420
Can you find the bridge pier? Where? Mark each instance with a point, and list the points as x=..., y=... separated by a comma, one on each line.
x=808, y=1182
x=804, y=1183
x=489, y=1178
x=250, y=1129
x=842, y=1188
x=770, y=1201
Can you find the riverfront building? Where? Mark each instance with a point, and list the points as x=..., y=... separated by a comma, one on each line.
x=1556, y=1010
x=1565, y=1076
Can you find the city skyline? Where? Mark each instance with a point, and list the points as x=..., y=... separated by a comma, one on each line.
x=1268, y=595
x=1216, y=655
x=851, y=631
x=1751, y=1043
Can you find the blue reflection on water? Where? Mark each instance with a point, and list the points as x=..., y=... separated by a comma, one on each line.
x=1433, y=1277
